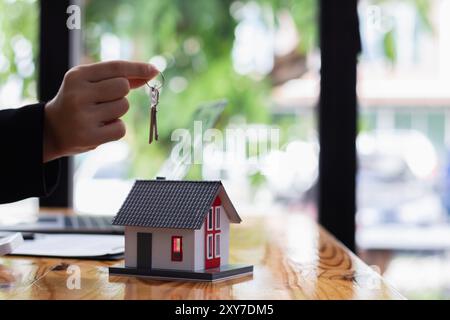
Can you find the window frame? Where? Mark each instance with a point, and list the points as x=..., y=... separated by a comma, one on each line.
x=209, y=247
x=54, y=61
x=217, y=212
x=217, y=235
x=337, y=118
x=210, y=219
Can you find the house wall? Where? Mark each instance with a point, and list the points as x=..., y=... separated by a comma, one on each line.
x=225, y=238
x=161, y=248
x=193, y=246
x=224, y=242
x=199, y=258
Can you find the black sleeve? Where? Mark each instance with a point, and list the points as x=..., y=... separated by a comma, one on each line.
x=22, y=171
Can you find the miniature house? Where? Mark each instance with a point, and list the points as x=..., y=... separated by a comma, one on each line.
x=176, y=226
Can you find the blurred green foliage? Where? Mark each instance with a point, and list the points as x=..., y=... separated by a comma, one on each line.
x=19, y=20
x=196, y=39
x=389, y=46
x=423, y=8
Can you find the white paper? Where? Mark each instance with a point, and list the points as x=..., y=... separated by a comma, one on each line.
x=72, y=245
x=10, y=242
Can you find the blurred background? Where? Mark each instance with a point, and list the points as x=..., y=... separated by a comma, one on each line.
x=263, y=57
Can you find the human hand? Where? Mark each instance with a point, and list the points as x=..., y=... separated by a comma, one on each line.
x=85, y=113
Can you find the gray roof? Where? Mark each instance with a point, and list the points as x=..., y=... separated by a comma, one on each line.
x=172, y=204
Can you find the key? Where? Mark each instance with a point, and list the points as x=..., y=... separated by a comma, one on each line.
x=154, y=100
x=154, y=92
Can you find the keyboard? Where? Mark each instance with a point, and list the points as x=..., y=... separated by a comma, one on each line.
x=88, y=224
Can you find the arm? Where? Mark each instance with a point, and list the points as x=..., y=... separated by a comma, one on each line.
x=22, y=171
x=84, y=114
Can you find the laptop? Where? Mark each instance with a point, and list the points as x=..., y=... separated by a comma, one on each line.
x=172, y=169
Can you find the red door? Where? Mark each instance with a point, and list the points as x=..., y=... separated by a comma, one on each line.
x=212, y=236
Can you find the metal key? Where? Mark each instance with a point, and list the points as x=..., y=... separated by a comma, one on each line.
x=154, y=93
x=154, y=100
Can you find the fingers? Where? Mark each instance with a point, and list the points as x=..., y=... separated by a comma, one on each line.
x=119, y=69
x=113, y=131
x=107, y=81
x=90, y=102
x=136, y=83
x=110, y=111
x=109, y=90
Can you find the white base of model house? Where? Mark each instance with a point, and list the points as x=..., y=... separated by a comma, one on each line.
x=221, y=273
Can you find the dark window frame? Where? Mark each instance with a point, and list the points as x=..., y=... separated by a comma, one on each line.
x=338, y=112
x=59, y=50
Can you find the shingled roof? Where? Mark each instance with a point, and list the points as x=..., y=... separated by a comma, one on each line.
x=172, y=204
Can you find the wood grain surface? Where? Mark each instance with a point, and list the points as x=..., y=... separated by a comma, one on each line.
x=294, y=258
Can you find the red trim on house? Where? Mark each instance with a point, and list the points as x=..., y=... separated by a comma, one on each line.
x=213, y=262
x=177, y=248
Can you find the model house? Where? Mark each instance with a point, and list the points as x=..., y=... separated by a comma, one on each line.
x=178, y=229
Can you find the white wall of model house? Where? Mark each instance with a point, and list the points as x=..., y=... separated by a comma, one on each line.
x=161, y=247
x=193, y=246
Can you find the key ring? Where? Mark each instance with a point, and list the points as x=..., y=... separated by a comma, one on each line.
x=161, y=84
x=155, y=91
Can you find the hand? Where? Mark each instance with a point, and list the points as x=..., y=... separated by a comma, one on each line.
x=85, y=113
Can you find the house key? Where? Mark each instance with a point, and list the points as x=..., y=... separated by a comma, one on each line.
x=154, y=100
x=154, y=93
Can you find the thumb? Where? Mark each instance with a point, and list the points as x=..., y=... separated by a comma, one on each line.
x=136, y=83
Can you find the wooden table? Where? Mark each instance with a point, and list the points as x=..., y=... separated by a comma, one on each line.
x=294, y=258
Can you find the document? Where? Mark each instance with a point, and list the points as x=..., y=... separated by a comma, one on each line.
x=73, y=246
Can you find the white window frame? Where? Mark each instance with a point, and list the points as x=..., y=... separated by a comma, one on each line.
x=217, y=217
x=209, y=252
x=216, y=236
x=209, y=219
